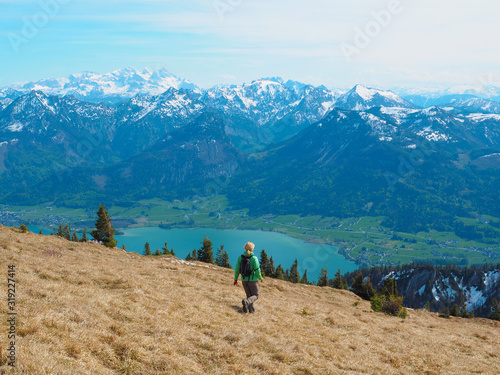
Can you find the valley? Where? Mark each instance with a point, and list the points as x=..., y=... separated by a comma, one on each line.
x=364, y=240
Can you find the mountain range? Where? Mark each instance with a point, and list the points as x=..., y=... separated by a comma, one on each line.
x=274, y=146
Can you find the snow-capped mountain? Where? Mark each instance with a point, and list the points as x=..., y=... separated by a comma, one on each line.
x=110, y=87
x=361, y=98
x=486, y=88
x=474, y=105
x=474, y=288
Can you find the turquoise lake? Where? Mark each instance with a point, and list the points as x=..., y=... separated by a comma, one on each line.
x=284, y=249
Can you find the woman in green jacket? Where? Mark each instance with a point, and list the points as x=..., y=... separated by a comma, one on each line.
x=250, y=283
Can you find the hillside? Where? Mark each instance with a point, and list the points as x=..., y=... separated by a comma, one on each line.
x=87, y=309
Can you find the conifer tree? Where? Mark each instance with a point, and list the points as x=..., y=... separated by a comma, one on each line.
x=41, y=231
x=222, y=258
x=67, y=233
x=172, y=252
x=189, y=257
x=165, y=250
x=24, y=228
x=60, y=230
x=265, y=264
x=272, y=270
x=194, y=255
x=124, y=247
x=147, y=249
x=280, y=274
x=361, y=287
x=338, y=282
x=205, y=253
x=74, y=237
x=389, y=287
x=294, y=275
x=104, y=230
x=157, y=252
x=84, y=236
x=323, y=278
x=304, y=278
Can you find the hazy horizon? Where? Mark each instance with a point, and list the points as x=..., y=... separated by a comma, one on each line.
x=386, y=44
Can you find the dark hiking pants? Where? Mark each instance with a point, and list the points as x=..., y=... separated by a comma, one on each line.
x=252, y=292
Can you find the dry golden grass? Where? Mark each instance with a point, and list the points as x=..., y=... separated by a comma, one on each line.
x=86, y=309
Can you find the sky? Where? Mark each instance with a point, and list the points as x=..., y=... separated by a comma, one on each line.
x=337, y=43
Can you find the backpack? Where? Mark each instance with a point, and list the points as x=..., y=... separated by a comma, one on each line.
x=246, y=266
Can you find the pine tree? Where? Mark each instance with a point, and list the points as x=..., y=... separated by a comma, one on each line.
x=157, y=252
x=194, y=255
x=24, y=228
x=323, y=278
x=124, y=247
x=147, y=249
x=454, y=310
x=74, y=237
x=272, y=270
x=104, y=230
x=358, y=284
x=294, y=275
x=304, y=278
x=280, y=274
x=222, y=259
x=172, y=252
x=265, y=264
x=60, y=230
x=189, y=257
x=165, y=250
x=84, y=236
x=389, y=287
x=205, y=253
x=338, y=282
x=368, y=289
x=218, y=256
x=67, y=233
x=41, y=232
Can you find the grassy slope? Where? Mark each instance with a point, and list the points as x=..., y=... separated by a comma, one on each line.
x=92, y=310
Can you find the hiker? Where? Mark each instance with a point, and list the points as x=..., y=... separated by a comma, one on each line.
x=249, y=268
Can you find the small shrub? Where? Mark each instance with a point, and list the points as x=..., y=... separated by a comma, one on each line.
x=403, y=313
x=376, y=303
x=390, y=305
x=445, y=314
x=23, y=228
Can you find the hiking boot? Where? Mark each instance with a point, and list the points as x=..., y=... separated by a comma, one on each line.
x=251, y=309
x=245, y=305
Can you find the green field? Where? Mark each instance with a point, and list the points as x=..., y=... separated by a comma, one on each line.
x=363, y=240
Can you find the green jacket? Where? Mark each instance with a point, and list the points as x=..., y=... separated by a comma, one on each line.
x=254, y=262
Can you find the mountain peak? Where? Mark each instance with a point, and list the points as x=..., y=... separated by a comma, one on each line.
x=117, y=85
x=361, y=98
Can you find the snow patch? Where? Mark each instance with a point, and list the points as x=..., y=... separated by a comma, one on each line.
x=15, y=127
